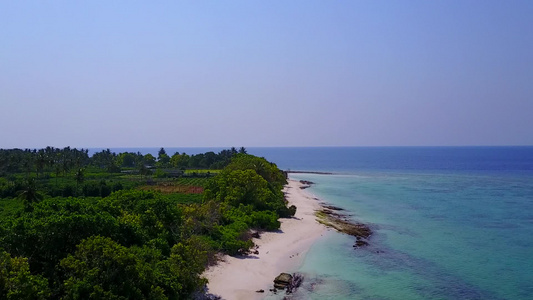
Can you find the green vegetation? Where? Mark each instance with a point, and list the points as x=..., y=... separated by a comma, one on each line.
x=127, y=226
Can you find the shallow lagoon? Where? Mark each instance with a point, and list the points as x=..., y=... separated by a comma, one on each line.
x=436, y=236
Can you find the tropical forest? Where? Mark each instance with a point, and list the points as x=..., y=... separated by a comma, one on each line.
x=128, y=225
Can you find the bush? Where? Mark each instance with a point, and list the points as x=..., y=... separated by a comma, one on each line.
x=117, y=186
x=91, y=189
x=103, y=269
x=105, y=190
x=265, y=220
x=69, y=191
x=160, y=174
x=16, y=282
x=235, y=238
x=96, y=189
x=286, y=212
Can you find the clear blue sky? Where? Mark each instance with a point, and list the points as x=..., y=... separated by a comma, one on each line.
x=265, y=73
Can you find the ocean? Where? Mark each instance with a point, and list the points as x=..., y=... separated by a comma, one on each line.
x=448, y=222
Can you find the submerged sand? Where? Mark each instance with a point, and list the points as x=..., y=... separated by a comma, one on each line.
x=237, y=278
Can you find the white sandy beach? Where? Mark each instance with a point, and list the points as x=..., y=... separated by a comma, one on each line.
x=239, y=278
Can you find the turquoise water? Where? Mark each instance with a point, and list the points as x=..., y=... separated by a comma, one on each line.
x=436, y=236
x=448, y=222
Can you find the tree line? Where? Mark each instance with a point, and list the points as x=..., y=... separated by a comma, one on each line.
x=62, y=161
x=63, y=172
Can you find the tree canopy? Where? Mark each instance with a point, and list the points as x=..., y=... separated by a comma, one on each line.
x=91, y=233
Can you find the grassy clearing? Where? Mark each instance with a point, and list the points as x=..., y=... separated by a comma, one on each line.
x=185, y=198
x=201, y=171
x=170, y=189
x=193, y=181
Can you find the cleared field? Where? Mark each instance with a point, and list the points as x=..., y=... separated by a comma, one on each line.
x=169, y=189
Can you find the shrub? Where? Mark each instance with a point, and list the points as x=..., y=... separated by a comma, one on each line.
x=16, y=282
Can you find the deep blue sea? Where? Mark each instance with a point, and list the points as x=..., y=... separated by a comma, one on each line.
x=448, y=222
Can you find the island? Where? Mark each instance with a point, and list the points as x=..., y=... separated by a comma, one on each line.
x=133, y=226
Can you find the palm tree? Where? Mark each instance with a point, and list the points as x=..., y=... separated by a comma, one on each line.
x=80, y=177
x=40, y=162
x=29, y=194
x=27, y=163
x=57, y=171
x=143, y=170
x=65, y=166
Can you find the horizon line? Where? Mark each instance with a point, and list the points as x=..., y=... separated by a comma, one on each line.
x=229, y=147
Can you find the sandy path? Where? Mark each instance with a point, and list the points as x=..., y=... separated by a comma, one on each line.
x=282, y=251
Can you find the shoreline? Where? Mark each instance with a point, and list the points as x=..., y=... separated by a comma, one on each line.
x=235, y=278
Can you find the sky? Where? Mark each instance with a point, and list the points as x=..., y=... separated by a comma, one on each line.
x=265, y=73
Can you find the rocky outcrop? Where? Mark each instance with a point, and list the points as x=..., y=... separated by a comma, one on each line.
x=282, y=281
x=306, y=184
x=287, y=282
x=360, y=243
x=296, y=282
x=340, y=223
x=332, y=207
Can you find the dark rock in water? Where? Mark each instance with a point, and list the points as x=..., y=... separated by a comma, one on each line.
x=284, y=277
x=260, y=291
x=360, y=231
x=360, y=243
x=296, y=282
x=332, y=213
x=306, y=182
x=336, y=221
x=332, y=207
x=282, y=281
x=279, y=286
x=288, y=282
